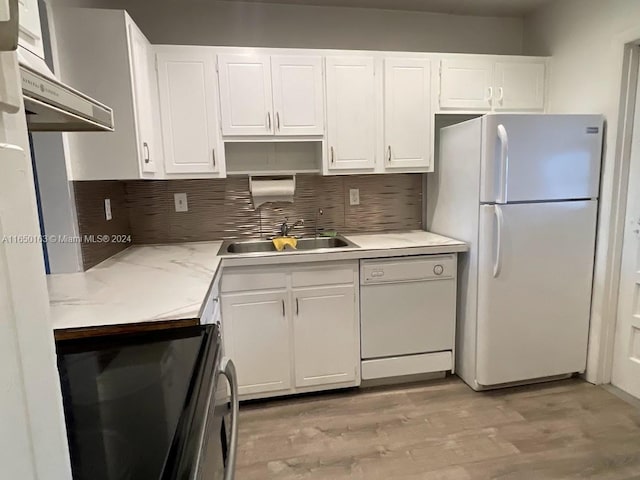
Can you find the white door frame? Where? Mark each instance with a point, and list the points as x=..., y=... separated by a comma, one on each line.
x=602, y=334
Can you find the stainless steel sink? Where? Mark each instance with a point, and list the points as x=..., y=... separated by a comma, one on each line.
x=266, y=246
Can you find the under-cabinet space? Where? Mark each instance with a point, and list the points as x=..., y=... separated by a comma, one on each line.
x=256, y=158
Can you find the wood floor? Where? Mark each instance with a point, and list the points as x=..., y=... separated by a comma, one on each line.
x=443, y=431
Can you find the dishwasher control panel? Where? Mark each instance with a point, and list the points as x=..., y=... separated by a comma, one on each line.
x=403, y=269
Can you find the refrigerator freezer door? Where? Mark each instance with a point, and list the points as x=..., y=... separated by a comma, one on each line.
x=534, y=290
x=533, y=157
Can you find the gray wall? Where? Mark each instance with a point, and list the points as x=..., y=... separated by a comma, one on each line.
x=585, y=39
x=202, y=22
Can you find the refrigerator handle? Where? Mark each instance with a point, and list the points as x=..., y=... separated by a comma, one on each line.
x=504, y=162
x=497, y=265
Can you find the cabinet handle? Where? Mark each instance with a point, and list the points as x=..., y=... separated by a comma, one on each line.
x=278, y=120
x=500, y=94
x=269, y=121
x=213, y=154
x=297, y=307
x=333, y=159
x=147, y=157
x=389, y=154
x=283, y=312
x=488, y=99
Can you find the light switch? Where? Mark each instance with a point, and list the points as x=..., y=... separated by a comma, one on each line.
x=354, y=196
x=107, y=209
x=180, y=199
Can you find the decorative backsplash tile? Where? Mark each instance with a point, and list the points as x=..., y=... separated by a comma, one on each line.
x=222, y=209
x=92, y=220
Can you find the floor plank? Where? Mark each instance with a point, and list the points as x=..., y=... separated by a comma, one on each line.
x=443, y=430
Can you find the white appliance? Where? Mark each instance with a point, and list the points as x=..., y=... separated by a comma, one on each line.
x=33, y=430
x=52, y=106
x=522, y=190
x=407, y=315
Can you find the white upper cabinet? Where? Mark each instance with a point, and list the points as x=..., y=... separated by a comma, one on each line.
x=351, y=113
x=519, y=86
x=407, y=113
x=103, y=54
x=143, y=76
x=245, y=95
x=186, y=78
x=271, y=95
x=466, y=84
x=298, y=101
x=30, y=35
x=486, y=84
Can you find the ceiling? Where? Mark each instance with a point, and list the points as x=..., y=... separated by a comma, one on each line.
x=501, y=8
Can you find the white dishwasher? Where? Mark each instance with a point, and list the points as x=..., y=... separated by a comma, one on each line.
x=407, y=315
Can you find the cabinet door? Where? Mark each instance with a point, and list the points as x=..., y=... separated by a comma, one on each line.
x=520, y=86
x=144, y=84
x=298, y=99
x=186, y=78
x=245, y=95
x=30, y=36
x=466, y=84
x=351, y=114
x=325, y=325
x=407, y=115
x=256, y=334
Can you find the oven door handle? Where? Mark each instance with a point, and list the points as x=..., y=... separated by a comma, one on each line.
x=228, y=369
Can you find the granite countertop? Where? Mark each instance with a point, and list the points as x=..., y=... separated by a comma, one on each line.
x=171, y=282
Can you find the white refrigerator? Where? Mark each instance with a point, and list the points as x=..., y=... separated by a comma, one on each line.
x=522, y=189
x=32, y=432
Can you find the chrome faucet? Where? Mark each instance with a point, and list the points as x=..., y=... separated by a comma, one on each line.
x=285, y=228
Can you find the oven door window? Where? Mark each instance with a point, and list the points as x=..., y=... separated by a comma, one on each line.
x=122, y=403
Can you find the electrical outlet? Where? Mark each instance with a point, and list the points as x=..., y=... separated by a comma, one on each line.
x=107, y=209
x=180, y=200
x=354, y=196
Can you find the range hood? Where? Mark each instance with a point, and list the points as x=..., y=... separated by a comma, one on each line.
x=52, y=106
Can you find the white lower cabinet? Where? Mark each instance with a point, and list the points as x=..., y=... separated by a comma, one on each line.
x=292, y=329
x=256, y=337
x=325, y=335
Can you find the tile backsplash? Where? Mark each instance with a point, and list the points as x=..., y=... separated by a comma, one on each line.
x=222, y=209
x=92, y=221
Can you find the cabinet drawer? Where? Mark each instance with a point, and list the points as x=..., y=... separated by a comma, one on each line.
x=247, y=279
x=332, y=274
